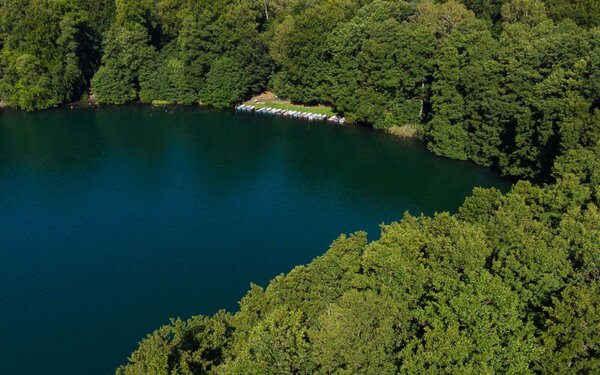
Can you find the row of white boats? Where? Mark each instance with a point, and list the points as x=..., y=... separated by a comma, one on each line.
x=287, y=113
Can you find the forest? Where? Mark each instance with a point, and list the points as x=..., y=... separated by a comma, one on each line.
x=510, y=85
x=509, y=284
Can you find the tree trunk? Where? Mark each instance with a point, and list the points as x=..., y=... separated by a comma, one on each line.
x=266, y=11
x=422, y=101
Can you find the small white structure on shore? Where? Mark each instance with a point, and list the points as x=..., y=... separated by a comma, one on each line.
x=290, y=113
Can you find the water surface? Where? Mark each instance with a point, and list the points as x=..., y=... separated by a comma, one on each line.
x=114, y=220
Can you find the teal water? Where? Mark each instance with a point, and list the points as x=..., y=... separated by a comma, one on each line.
x=115, y=219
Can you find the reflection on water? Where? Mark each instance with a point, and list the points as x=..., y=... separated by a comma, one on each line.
x=115, y=219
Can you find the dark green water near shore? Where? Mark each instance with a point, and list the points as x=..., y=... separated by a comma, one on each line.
x=112, y=220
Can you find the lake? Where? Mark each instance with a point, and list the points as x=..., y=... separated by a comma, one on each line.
x=113, y=220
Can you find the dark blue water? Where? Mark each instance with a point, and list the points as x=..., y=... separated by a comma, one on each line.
x=114, y=220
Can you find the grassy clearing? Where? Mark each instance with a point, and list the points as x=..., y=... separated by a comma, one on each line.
x=406, y=131
x=321, y=110
x=161, y=102
x=269, y=100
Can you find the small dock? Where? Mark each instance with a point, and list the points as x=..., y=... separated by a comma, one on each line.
x=291, y=114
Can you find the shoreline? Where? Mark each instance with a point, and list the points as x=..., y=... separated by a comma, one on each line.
x=405, y=132
x=266, y=103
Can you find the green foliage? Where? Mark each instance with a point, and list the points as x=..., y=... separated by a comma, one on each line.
x=276, y=345
x=299, y=48
x=226, y=83
x=47, y=52
x=497, y=82
x=442, y=18
x=571, y=331
x=358, y=317
x=464, y=92
x=380, y=65
x=101, y=13
x=127, y=54
x=517, y=102
x=111, y=85
x=508, y=285
x=165, y=80
x=583, y=163
x=488, y=10
x=184, y=347
x=166, y=51
x=585, y=12
x=526, y=12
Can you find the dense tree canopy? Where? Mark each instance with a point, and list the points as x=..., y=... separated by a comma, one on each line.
x=183, y=52
x=380, y=65
x=507, y=285
x=509, y=84
x=520, y=100
x=48, y=53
